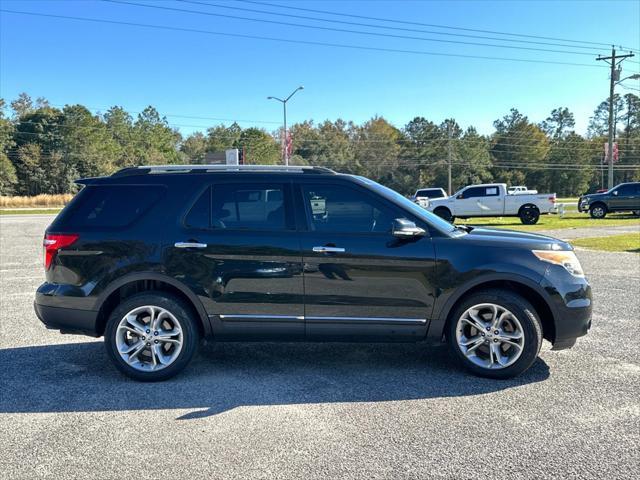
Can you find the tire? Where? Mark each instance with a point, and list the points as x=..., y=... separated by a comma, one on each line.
x=598, y=210
x=475, y=356
x=529, y=214
x=444, y=213
x=175, y=343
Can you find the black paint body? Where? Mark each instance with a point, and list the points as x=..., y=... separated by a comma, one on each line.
x=256, y=285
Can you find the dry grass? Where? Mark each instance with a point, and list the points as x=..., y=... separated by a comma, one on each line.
x=44, y=200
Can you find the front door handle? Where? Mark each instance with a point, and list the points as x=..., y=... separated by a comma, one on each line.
x=190, y=245
x=328, y=249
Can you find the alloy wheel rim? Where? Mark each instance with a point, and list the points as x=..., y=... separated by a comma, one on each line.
x=598, y=211
x=490, y=336
x=149, y=338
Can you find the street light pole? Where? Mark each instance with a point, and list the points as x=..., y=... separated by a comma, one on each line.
x=285, y=153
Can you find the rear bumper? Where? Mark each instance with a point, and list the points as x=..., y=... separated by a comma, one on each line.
x=70, y=318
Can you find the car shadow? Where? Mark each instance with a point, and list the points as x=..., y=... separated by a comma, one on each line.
x=78, y=377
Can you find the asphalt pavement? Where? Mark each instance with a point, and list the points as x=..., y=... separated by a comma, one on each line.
x=285, y=410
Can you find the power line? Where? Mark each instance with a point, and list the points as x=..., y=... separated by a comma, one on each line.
x=301, y=42
x=343, y=30
x=371, y=25
x=446, y=27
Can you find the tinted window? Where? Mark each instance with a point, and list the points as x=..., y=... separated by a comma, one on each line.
x=200, y=214
x=111, y=206
x=474, y=192
x=627, y=189
x=335, y=208
x=429, y=193
x=239, y=206
x=481, y=192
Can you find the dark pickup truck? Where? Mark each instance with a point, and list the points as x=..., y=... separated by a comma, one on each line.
x=621, y=198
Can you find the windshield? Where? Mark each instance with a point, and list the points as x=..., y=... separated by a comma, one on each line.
x=430, y=218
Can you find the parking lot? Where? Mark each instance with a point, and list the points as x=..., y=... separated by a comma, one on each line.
x=268, y=410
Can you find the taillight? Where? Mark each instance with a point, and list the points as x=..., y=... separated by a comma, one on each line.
x=552, y=199
x=53, y=242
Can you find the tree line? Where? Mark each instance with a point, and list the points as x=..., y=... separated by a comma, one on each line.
x=43, y=149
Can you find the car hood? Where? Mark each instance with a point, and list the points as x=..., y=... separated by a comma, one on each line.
x=515, y=239
x=594, y=196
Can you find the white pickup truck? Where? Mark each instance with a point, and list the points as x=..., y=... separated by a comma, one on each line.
x=492, y=200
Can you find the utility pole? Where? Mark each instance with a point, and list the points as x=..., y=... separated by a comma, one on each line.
x=613, y=60
x=449, y=154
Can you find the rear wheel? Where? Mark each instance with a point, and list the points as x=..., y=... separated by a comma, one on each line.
x=444, y=213
x=151, y=336
x=529, y=215
x=598, y=210
x=495, y=333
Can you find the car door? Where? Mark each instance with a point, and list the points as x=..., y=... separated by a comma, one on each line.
x=465, y=203
x=624, y=197
x=360, y=281
x=237, y=248
x=488, y=201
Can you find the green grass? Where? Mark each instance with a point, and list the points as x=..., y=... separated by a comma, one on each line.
x=553, y=222
x=32, y=211
x=628, y=242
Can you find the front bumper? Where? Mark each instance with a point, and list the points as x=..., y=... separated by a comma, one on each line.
x=60, y=310
x=571, y=303
x=583, y=206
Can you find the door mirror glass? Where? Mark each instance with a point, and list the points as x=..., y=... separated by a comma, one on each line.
x=460, y=197
x=403, y=228
x=615, y=192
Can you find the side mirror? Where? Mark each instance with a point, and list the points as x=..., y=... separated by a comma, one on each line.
x=615, y=193
x=460, y=197
x=403, y=228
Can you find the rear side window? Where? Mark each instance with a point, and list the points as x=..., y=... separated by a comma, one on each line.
x=111, y=206
x=240, y=207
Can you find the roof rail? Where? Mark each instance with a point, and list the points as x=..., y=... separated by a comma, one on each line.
x=156, y=169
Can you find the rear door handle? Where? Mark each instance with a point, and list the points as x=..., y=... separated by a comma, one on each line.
x=190, y=245
x=328, y=249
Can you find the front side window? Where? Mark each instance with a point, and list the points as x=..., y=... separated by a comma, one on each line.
x=474, y=192
x=626, y=190
x=239, y=207
x=336, y=208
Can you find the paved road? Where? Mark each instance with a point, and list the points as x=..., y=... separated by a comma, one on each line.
x=586, y=232
x=315, y=411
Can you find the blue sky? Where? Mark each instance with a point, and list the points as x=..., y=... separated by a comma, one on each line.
x=186, y=74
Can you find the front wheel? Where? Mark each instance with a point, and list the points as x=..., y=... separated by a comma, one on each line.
x=495, y=333
x=598, y=211
x=445, y=214
x=151, y=336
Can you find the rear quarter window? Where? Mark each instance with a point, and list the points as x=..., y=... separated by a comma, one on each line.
x=110, y=206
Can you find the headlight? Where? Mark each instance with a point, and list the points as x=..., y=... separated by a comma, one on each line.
x=564, y=258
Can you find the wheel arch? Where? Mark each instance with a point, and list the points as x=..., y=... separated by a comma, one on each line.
x=528, y=289
x=134, y=283
x=599, y=202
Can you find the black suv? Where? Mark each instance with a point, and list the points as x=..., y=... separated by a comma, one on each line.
x=155, y=258
x=622, y=198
